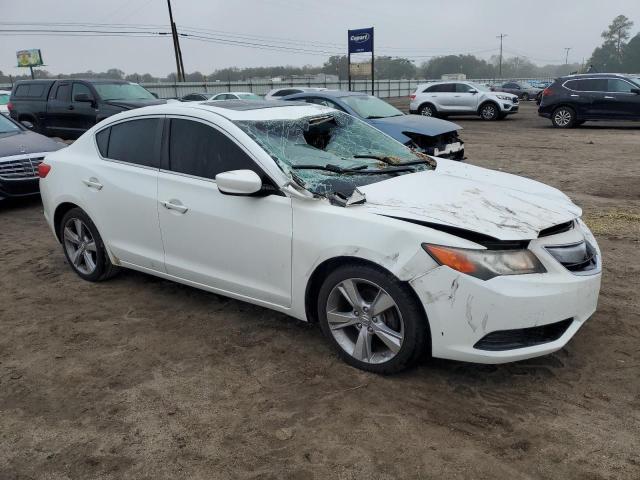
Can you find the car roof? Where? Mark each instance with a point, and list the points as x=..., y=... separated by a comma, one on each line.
x=233, y=93
x=597, y=75
x=235, y=110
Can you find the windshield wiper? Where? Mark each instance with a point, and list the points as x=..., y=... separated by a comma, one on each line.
x=391, y=161
x=375, y=117
x=360, y=169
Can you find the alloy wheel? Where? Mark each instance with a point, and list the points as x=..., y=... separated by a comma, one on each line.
x=488, y=112
x=365, y=320
x=562, y=117
x=80, y=246
x=426, y=111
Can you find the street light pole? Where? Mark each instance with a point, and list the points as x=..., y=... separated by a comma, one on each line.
x=501, y=36
x=566, y=58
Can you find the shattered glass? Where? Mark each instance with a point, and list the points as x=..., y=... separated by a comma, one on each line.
x=337, y=140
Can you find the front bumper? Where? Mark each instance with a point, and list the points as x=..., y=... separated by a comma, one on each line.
x=463, y=310
x=18, y=188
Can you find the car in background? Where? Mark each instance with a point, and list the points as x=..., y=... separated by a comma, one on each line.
x=68, y=108
x=441, y=99
x=428, y=135
x=4, y=101
x=313, y=213
x=278, y=93
x=21, y=151
x=525, y=91
x=198, y=97
x=572, y=100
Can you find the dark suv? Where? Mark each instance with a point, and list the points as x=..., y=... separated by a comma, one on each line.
x=570, y=101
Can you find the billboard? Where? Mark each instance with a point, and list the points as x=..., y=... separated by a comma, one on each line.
x=361, y=40
x=29, y=58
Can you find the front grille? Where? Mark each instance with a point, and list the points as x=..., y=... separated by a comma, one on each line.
x=555, y=229
x=20, y=168
x=580, y=258
x=523, y=337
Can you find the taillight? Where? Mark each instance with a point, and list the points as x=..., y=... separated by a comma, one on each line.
x=10, y=106
x=43, y=170
x=547, y=91
x=412, y=96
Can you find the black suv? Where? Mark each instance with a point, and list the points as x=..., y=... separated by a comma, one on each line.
x=570, y=101
x=68, y=108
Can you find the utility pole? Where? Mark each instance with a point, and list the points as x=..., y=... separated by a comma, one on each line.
x=566, y=58
x=176, y=46
x=501, y=36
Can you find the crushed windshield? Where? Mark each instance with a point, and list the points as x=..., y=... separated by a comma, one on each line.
x=333, y=153
x=371, y=107
x=122, y=91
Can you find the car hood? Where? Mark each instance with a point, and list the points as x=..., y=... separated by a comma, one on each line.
x=131, y=104
x=20, y=143
x=501, y=205
x=395, y=126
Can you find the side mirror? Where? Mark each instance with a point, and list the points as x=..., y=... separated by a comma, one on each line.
x=473, y=91
x=83, y=97
x=28, y=125
x=636, y=91
x=239, y=182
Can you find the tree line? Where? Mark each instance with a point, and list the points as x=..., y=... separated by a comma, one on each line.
x=619, y=52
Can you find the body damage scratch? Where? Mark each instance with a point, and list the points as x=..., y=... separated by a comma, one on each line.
x=454, y=289
x=473, y=326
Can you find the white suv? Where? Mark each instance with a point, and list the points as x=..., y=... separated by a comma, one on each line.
x=462, y=98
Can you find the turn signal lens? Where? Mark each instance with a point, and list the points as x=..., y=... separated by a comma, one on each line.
x=486, y=264
x=9, y=106
x=546, y=92
x=43, y=170
x=455, y=259
x=412, y=96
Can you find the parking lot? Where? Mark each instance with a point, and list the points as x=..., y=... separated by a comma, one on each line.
x=139, y=377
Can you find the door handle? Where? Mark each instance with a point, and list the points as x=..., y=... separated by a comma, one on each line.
x=608, y=97
x=93, y=183
x=169, y=205
x=574, y=95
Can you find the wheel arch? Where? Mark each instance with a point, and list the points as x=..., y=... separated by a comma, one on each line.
x=59, y=213
x=323, y=269
x=488, y=101
x=427, y=102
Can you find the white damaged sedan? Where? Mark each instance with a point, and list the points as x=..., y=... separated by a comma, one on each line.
x=311, y=212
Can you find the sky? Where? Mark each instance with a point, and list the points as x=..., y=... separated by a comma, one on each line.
x=243, y=33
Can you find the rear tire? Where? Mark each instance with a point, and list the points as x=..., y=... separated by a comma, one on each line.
x=489, y=111
x=525, y=97
x=83, y=247
x=428, y=110
x=563, y=117
x=372, y=319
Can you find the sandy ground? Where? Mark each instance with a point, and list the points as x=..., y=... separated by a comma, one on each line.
x=140, y=378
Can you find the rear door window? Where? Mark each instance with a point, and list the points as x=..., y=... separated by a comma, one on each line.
x=200, y=150
x=63, y=94
x=135, y=141
x=32, y=90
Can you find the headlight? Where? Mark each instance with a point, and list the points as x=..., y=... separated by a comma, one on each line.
x=503, y=97
x=485, y=264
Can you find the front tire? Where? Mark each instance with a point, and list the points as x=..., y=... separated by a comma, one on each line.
x=83, y=247
x=372, y=319
x=563, y=117
x=489, y=111
x=525, y=97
